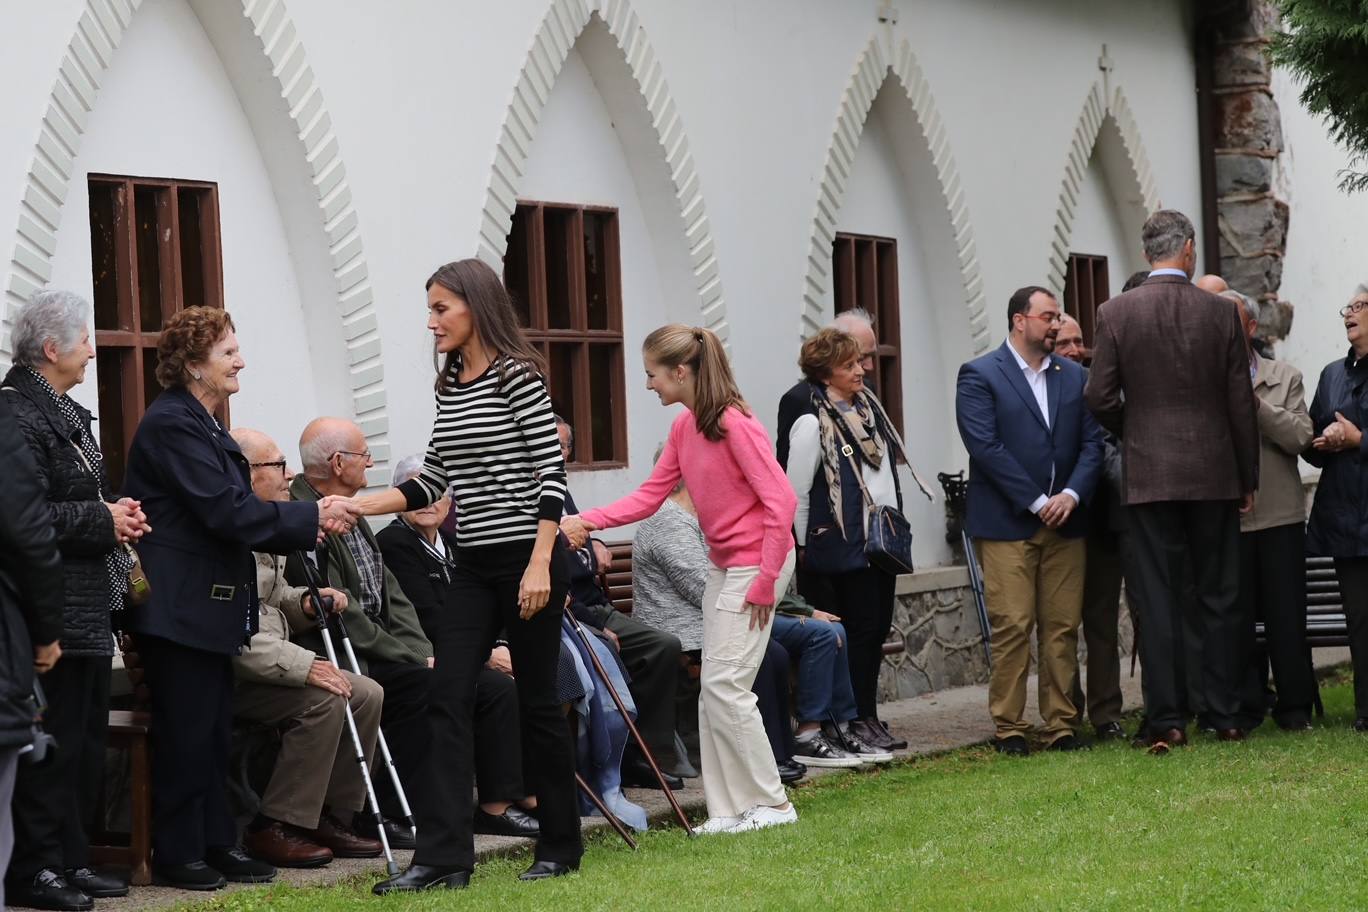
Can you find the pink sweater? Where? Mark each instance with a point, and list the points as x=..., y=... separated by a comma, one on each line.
x=745, y=503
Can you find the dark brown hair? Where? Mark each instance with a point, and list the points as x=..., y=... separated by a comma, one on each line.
x=714, y=386
x=825, y=351
x=188, y=338
x=491, y=315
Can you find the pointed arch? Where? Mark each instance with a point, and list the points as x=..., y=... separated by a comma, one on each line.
x=873, y=67
x=89, y=55
x=1098, y=107
x=564, y=22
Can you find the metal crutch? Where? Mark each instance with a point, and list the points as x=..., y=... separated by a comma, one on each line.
x=322, y=607
x=631, y=726
x=976, y=584
x=310, y=570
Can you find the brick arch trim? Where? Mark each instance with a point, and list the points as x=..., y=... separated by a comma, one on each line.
x=560, y=28
x=873, y=67
x=88, y=56
x=1097, y=108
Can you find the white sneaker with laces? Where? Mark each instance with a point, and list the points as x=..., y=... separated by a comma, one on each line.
x=715, y=825
x=762, y=816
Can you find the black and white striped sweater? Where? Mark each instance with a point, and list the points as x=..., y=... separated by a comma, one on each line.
x=494, y=445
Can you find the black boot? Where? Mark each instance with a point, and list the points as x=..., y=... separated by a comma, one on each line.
x=424, y=877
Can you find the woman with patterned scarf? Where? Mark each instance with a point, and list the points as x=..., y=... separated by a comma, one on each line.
x=51, y=864
x=846, y=428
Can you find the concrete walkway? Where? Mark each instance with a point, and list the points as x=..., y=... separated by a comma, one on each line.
x=932, y=723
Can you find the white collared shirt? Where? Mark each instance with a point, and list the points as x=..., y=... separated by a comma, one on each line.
x=1035, y=379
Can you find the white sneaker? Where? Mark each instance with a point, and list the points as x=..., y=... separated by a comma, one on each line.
x=762, y=816
x=715, y=825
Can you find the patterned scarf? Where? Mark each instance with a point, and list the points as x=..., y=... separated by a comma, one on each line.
x=117, y=561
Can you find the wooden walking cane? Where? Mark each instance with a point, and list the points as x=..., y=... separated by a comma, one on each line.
x=607, y=814
x=631, y=727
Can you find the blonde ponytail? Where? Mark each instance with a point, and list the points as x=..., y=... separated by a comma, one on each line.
x=714, y=386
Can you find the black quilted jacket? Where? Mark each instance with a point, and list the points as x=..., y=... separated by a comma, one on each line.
x=84, y=527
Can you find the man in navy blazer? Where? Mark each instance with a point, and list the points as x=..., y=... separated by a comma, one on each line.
x=1035, y=456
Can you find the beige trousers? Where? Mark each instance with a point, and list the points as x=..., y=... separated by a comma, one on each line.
x=1036, y=583
x=738, y=765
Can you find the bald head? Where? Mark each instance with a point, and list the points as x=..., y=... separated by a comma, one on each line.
x=334, y=455
x=1212, y=283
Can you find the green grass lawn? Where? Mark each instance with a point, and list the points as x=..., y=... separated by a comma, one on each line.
x=1278, y=822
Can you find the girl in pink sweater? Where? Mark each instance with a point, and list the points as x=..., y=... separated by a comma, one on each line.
x=745, y=508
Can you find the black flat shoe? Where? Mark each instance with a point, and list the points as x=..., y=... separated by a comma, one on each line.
x=1012, y=746
x=512, y=822
x=1066, y=743
x=424, y=877
x=48, y=890
x=96, y=885
x=639, y=775
x=791, y=771
x=193, y=876
x=398, y=834
x=541, y=870
x=1110, y=731
x=236, y=865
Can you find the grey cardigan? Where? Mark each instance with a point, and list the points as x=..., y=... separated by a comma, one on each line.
x=669, y=570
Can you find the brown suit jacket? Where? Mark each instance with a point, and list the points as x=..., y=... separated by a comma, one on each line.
x=1170, y=376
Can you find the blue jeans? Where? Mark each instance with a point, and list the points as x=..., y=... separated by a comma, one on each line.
x=824, y=689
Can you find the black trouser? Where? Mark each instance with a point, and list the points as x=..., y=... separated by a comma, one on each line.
x=1101, y=631
x=53, y=803
x=192, y=732
x=404, y=723
x=482, y=600
x=863, y=600
x=498, y=738
x=1273, y=590
x=652, y=660
x=1352, y=573
x=771, y=689
x=1166, y=539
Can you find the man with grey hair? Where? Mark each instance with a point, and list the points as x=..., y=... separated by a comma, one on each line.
x=1273, y=540
x=1171, y=376
x=308, y=806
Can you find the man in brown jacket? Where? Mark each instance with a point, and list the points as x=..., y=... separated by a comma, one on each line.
x=1170, y=376
x=307, y=807
x=1273, y=539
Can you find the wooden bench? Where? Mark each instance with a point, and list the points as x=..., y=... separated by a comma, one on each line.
x=1326, y=623
x=131, y=730
x=617, y=582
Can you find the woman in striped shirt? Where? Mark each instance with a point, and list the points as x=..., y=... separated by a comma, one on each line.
x=494, y=445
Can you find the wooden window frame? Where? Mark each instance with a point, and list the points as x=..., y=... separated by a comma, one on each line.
x=531, y=297
x=865, y=274
x=129, y=341
x=1087, y=284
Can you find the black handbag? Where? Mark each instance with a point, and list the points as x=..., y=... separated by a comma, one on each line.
x=888, y=539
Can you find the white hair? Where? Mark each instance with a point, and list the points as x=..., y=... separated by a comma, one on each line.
x=1251, y=309
x=854, y=315
x=408, y=467
x=57, y=316
x=315, y=452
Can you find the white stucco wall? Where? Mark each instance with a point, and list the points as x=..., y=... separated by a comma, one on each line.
x=416, y=99
x=1099, y=230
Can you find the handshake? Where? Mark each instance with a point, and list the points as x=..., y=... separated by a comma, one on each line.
x=337, y=515
x=577, y=530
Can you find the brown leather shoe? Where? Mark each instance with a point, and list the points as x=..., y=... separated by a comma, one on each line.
x=1166, y=740
x=1231, y=734
x=343, y=840
x=285, y=847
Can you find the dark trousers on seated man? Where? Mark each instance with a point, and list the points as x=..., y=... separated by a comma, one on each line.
x=1169, y=539
x=1033, y=584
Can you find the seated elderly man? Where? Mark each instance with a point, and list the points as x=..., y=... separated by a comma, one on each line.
x=388, y=637
x=307, y=808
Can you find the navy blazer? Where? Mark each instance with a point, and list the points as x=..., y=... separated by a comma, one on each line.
x=1014, y=457
x=195, y=487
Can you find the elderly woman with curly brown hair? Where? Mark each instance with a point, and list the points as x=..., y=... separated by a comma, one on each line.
x=194, y=484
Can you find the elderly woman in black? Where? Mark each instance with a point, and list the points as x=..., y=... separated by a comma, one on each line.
x=1339, y=514
x=50, y=868
x=195, y=486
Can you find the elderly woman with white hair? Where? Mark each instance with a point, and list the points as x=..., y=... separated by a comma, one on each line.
x=51, y=864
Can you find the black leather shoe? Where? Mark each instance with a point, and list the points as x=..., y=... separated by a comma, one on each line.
x=791, y=771
x=398, y=834
x=512, y=822
x=48, y=890
x=541, y=870
x=236, y=865
x=424, y=877
x=193, y=876
x=638, y=774
x=1361, y=724
x=96, y=885
x=1012, y=746
x=1066, y=743
x=1110, y=731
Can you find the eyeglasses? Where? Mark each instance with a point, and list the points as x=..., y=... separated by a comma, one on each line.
x=366, y=455
x=1051, y=318
x=279, y=464
x=1352, y=307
